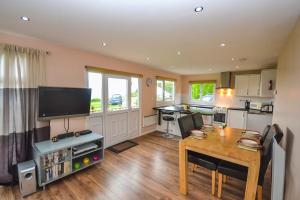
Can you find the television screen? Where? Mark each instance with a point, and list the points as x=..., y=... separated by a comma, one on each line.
x=57, y=102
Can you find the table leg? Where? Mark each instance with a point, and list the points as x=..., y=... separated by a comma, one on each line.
x=252, y=179
x=183, y=165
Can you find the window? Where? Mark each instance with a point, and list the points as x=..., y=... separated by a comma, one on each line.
x=202, y=92
x=165, y=90
x=135, y=96
x=159, y=90
x=95, y=83
x=117, y=94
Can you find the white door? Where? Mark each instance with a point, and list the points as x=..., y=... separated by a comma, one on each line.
x=241, y=85
x=254, y=85
x=237, y=119
x=115, y=107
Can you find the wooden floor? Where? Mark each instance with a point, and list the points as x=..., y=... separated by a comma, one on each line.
x=147, y=171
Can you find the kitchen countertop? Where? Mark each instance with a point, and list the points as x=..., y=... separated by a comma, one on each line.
x=182, y=109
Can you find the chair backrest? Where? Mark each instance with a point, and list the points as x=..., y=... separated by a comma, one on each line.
x=275, y=132
x=279, y=132
x=198, y=120
x=186, y=124
x=265, y=133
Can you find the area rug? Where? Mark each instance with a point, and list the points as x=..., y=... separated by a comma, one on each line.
x=118, y=148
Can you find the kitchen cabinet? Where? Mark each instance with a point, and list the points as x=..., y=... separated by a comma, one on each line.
x=241, y=85
x=237, y=119
x=257, y=122
x=247, y=85
x=254, y=85
x=268, y=76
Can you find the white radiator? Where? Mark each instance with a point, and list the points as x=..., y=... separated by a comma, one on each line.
x=278, y=171
x=149, y=120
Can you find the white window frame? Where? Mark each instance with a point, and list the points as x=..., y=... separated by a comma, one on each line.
x=102, y=91
x=200, y=100
x=164, y=102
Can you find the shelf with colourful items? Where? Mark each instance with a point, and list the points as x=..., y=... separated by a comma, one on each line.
x=87, y=160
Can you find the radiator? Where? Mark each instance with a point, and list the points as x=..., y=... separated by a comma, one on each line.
x=149, y=120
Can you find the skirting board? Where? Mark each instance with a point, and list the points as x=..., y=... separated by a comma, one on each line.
x=147, y=132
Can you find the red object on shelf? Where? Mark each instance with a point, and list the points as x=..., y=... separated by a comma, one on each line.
x=95, y=157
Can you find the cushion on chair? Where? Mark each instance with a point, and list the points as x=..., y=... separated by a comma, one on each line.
x=203, y=160
x=233, y=170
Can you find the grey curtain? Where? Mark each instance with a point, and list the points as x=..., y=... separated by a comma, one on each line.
x=22, y=70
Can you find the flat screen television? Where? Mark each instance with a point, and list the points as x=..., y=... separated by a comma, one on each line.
x=58, y=102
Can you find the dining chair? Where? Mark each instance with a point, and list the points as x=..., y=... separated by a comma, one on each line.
x=198, y=120
x=186, y=125
x=265, y=133
x=241, y=172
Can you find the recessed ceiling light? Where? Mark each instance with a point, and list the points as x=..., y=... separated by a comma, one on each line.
x=232, y=59
x=178, y=53
x=24, y=18
x=104, y=44
x=237, y=67
x=147, y=58
x=199, y=9
x=222, y=45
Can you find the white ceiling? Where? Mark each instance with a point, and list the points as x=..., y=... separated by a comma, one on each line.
x=158, y=29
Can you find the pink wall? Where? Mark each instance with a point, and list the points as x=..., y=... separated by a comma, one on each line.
x=287, y=110
x=66, y=67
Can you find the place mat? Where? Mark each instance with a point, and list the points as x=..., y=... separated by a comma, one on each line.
x=247, y=148
x=249, y=143
x=197, y=137
x=251, y=134
x=198, y=133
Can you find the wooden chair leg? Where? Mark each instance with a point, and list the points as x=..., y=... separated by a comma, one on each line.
x=224, y=178
x=213, y=182
x=220, y=185
x=259, y=192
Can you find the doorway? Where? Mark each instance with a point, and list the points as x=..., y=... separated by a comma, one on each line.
x=115, y=106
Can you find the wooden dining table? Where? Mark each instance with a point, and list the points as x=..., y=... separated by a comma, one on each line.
x=222, y=147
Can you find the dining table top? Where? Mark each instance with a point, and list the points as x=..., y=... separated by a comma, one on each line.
x=225, y=148
x=222, y=147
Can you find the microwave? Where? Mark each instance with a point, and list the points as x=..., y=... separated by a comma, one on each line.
x=255, y=105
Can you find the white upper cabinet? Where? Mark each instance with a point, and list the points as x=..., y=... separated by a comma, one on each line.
x=241, y=85
x=247, y=85
x=254, y=85
x=268, y=82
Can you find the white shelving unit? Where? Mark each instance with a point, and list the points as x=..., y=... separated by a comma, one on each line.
x=56, y=160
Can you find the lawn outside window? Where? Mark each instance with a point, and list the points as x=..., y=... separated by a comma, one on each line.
x=202, y=92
